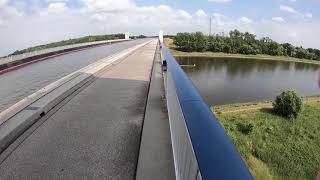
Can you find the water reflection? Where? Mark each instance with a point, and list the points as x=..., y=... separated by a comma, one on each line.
x=227, y=80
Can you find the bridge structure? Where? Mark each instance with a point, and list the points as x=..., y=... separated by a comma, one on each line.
x=132, y=114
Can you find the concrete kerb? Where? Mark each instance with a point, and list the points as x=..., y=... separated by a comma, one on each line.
x=16, y=119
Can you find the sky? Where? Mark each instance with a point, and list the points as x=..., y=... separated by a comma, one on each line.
x=25, y=23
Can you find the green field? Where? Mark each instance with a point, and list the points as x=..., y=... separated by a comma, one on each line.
x=275, y=147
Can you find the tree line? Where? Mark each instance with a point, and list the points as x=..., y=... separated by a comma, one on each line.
x=241, y=43
x=70, y=42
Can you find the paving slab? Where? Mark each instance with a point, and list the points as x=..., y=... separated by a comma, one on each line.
x=96, y=135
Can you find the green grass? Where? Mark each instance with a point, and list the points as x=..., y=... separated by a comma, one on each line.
x=275, y=147
x=177, y=53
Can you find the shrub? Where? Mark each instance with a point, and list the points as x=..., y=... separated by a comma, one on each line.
x=245, y=128
x=288, y=104
x=227, y=49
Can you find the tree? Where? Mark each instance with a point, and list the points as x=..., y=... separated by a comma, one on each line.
x=181, y=40
x=250, y=39
x=191, y=41
x=245, y=49
x=226, y=48
x=274, y=49
x=243, y=43
x=201, y=42
x=288, y=104
x=301, y=53
x=289, y=50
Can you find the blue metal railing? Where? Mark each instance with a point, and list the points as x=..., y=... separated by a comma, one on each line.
x=216, y=156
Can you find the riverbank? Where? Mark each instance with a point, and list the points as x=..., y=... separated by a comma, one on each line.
x=254, y=106
x=272, y=146
x=169, y=43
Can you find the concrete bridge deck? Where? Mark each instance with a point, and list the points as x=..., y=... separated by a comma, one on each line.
x=97, y=133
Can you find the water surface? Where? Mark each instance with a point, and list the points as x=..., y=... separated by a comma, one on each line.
x=227, y=80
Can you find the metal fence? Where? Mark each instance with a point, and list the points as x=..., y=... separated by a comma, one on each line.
x=201, y=148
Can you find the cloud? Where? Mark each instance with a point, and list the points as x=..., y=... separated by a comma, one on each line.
x=54, y=8
x=220, y=1
x=7, y=13
x=53, y=1
x=58, y=21
x=288, y=9
x=309, y=15
x=201, y=13
x=292, y=34
x=108, y=5
x=295, y=12
x=245, y=20
x=278, y=19
x=3, y=2
x=297, y=33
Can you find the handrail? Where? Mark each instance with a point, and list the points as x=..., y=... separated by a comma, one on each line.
x=215, y=154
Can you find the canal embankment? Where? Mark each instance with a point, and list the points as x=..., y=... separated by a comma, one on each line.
x=275, y=147
x=256, y=106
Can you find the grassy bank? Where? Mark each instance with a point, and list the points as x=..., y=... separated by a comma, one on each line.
x=169, y=43
x=272, y=146
x=247, y=107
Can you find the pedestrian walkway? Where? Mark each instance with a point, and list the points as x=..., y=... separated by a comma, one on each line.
x=156, y=158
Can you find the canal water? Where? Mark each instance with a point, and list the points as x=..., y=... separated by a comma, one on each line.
x=226, y=80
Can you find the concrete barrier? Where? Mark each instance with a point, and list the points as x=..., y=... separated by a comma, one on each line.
x=19, y=117
x=15, y=62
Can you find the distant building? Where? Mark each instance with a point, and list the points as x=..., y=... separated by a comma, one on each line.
x=161, y=36
x=126, y=35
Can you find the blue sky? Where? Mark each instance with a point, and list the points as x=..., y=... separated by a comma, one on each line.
x=254, y=8
x=25, y=23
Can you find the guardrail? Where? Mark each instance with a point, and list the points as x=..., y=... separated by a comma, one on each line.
x=201, y=148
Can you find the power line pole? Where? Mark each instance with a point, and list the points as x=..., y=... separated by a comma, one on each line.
x=210, y=27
